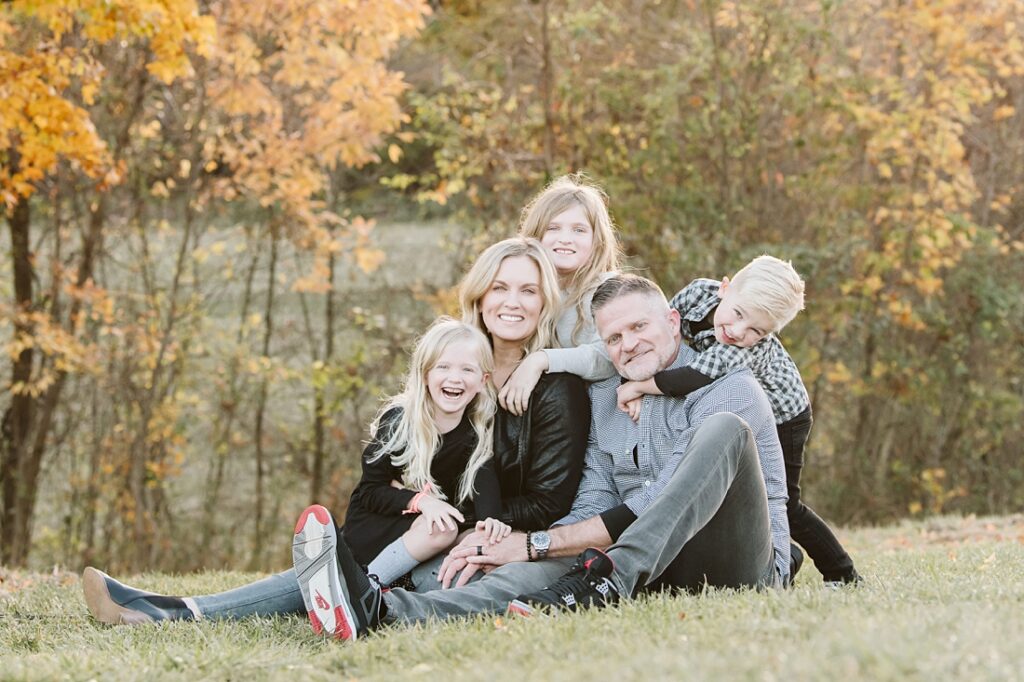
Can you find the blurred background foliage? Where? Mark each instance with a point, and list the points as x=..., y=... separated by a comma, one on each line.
x=227, y=224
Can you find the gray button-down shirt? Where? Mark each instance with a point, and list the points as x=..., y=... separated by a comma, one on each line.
x=611, y=477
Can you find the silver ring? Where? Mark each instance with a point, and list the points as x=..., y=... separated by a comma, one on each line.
x=479, y=550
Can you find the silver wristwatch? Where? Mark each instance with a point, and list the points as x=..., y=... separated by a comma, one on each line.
x=541, y=543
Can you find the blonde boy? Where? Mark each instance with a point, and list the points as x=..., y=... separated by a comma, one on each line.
x=733, y=323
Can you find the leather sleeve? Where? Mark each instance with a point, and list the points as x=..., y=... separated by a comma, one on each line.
x=559, y=422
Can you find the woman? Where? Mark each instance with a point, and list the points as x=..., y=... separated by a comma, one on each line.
x=511, y=293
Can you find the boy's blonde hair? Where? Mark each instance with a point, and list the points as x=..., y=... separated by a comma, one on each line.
x=561, y=195
x=477, y=282
x=771, y=286
x=413, y=440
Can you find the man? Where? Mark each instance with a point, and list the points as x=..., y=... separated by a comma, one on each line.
x=692, y=494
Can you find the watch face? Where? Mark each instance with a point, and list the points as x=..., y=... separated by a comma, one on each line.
x=541, y=540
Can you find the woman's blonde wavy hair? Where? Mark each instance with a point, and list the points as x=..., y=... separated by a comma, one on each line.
x=561, y=195
x=478, y=280
x=413, y=439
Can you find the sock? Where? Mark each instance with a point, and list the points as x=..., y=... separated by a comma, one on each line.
x=392, y=563
x=190, y=603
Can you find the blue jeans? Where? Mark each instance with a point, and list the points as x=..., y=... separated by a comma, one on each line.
x=274, y=595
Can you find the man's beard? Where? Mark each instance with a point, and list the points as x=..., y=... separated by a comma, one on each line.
x=652, y=363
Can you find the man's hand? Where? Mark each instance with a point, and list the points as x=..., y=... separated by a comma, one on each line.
x=509, y=550
x=452, y=564
x=514, y=396
x=476, y=553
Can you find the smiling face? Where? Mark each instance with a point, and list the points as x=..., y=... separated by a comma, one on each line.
x=569, y=240
x=512, y=305
x=641, y=334
x=455, y=379
x=737, y=323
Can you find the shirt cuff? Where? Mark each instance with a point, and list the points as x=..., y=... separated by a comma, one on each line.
x=617, y=519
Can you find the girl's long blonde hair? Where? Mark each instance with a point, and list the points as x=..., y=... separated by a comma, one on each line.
x=413, y=439
x=477, y=283
x=561, y=195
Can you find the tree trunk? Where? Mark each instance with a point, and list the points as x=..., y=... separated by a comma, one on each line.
x=19, y=416
x=229, y=407
x=92, y=490
x=546, y=88
x=268, y=316
x=316, y=484
x=724, y=172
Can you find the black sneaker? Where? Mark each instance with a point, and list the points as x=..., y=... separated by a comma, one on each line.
x=340, y=598
x=116, y=603
x=796, y=560
x=850, y=578
x=586, y=584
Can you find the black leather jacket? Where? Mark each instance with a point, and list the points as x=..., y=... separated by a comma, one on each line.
x=539, y=455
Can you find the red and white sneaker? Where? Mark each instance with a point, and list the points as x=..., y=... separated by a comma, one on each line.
x=341, y=600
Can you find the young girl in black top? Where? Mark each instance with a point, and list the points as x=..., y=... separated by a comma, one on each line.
x=427, y=467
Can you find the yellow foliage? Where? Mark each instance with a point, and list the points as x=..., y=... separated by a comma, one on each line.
x=838, y=373
x=1003, y=112
x=369, y=260
x=328, y=71
x=40, y=114
x=950, y=56
x=872, y=284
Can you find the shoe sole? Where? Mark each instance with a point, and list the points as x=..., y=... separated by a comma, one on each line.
x=519, y=608
x=102, y=606
x=315, y=557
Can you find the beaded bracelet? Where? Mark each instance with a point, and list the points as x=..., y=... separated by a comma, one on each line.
x=529, y=547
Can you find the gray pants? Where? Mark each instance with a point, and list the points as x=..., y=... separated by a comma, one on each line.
x=710, y=525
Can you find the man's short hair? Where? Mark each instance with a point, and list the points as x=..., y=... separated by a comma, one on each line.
x=623, y=284
x=773, y=287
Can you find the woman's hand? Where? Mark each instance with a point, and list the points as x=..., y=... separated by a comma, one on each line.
x=440, y=513
x=514, y=396
x=494, y=529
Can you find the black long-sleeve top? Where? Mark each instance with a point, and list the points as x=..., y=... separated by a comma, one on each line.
x=375, y=517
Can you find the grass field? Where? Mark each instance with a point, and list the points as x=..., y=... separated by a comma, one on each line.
x=943, y=600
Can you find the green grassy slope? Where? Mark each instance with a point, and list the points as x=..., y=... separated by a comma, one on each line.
x=942, y=600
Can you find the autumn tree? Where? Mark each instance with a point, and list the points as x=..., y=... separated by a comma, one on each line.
x=49, y=73
x=149, y=120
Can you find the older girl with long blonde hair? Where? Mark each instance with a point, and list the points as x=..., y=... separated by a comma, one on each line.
x=571, y=221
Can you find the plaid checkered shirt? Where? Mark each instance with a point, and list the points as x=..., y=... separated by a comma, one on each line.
x=767, y=359
x=611, y=477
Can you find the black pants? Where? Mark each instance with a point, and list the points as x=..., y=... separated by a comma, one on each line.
x=806, y=527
